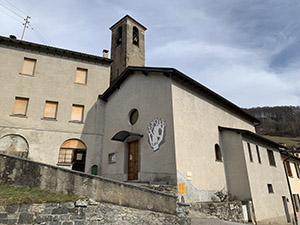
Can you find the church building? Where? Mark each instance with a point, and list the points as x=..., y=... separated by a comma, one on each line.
x=119, y=119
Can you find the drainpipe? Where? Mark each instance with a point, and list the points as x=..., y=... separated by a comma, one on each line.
x=290, y=190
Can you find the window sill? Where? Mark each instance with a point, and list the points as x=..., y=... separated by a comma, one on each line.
x=80, y=84
x=219, y=160
x=18, y=115
x=64, y=164
x=28, y=75
x=75, y=121
x=49, y=119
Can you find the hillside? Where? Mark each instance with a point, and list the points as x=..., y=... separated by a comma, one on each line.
x=279, y=123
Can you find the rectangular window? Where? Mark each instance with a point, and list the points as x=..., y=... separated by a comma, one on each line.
x=112, y=158
x=271, y=158
x=250, y=153
x=65, y=155
x=20, y=107
x=258, y=154
x=28, y=66
x=218, y=153
x=288, y=168
x=81, y=76
x=50, y=110
x=77, y=113
x=297, y=169
x=270, y=189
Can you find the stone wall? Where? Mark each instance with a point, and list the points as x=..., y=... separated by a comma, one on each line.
x=23, y=172
x=70, y=214
x=230, y=211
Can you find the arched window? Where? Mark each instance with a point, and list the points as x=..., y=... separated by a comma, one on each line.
x=73, y=152
x=218, y=153
x=119, y=36
x=135, y=36
x=13, y=144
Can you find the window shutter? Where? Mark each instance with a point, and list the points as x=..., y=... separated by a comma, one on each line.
x=20, y=106
x=77, y=113
x=81, y=76
x=28, y=66
x=288, y=167
x=50, y=110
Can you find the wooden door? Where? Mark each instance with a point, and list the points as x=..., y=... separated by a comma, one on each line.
x=133, y=162
x=79, y=160
x=286, y=209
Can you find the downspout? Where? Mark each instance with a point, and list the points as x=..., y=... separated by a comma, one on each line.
x=290, y=190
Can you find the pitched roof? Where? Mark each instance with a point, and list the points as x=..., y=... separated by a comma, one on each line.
x=250, y=134
x=183, y=79
x=52, y=50
x=128, y=17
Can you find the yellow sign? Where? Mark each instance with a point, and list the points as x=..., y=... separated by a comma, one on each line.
x=181, y=188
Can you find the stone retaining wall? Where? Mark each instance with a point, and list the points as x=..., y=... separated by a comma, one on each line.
x=23, y=172
x=69, y=214
x=230, y=211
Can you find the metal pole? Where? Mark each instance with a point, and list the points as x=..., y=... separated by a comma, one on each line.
x=25, y=26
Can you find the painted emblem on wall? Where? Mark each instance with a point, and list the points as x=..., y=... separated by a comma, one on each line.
x=156, y=133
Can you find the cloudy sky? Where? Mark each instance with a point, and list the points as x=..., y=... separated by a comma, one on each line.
x=248, y=51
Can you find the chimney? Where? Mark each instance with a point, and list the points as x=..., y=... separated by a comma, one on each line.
x=12, y=37
x=105, y=53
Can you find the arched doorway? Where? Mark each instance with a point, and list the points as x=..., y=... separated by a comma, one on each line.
x=73, y=152
x=13, y=144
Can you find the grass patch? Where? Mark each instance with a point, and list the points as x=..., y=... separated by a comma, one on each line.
x=289, y=141
x=10, y=195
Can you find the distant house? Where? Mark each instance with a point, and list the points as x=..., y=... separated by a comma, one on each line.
x=122, y=120
x=292, y=169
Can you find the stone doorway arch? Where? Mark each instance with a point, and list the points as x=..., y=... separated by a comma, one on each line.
x=14, y=144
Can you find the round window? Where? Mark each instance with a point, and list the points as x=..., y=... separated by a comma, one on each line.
x=133, y=116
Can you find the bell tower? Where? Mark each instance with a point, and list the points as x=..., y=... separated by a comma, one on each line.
x=127, y=45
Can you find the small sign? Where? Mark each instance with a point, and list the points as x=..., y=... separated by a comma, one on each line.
x=181, y=188
x=79, y=156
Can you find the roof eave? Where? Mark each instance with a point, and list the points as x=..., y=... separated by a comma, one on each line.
x=182, y=78
x=53, y=50
x=248, y=133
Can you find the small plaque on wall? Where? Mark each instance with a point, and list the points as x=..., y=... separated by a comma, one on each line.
x=79, y=157
x=181, y=188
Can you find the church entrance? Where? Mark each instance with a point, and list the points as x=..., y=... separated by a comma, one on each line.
x=133, y=160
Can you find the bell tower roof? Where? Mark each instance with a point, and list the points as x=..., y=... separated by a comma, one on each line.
x=127, y=17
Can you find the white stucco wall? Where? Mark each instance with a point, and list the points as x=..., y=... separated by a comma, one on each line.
x=235, y=165
x=151, y=96
x=53, y=80
x=268, y=206
x=196, y=121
